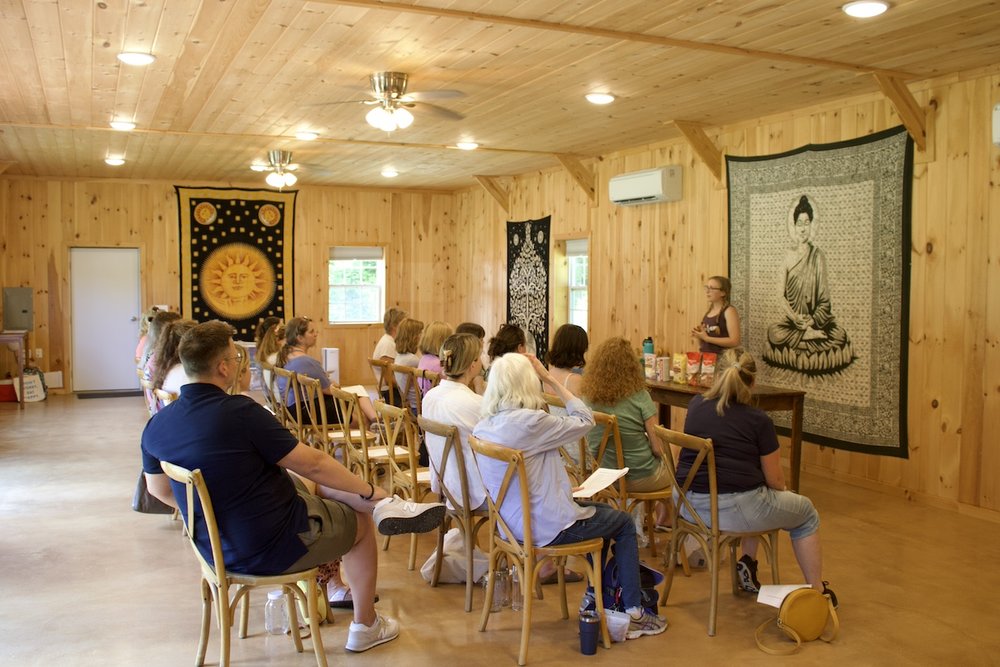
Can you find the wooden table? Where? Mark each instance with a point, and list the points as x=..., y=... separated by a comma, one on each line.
x=18, y=338
x=669, y=394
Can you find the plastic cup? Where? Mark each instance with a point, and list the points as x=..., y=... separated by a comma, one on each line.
x=590, y=623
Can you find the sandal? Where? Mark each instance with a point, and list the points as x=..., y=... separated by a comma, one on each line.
x=571, y=577
x=340, y=597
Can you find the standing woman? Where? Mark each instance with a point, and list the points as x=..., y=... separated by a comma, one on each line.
x=720, y=327
x=751, y=483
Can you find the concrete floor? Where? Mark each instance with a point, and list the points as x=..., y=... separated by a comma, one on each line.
x=86, y=581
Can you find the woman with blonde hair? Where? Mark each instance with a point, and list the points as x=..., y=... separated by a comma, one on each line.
x=407, y=342
x=430, y=345
x=751, y=484
x=170, y=375
x=720, y=325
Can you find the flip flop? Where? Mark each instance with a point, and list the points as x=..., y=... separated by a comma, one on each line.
x=571, y=578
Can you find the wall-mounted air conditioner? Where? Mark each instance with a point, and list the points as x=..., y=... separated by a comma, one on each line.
x=646, y=187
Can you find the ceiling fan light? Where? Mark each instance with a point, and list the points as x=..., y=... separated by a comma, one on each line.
x=306, y=136
x=123, y=125
x=289, y=179
x=600, y=98
x=389, y=172
x=403, y=118
x=114, y=161
x=256, y=166
x=381, y=118
x=275, y=180
x=467, y=145
x=136, y=58
x=865, y=9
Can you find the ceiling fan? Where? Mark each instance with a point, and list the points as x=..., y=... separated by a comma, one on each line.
x=392, y=102
x=279, y=163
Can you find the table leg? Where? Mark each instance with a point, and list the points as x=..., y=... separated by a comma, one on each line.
x=665, y=416
x=795, y=456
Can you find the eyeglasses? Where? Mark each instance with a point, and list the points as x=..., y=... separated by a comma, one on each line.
x=709, y=288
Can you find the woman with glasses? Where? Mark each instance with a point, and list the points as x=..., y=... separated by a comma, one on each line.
x=720, y=326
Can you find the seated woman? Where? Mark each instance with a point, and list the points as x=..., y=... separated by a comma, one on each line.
x=385, y=349
x=566, y=361
x=144, y=321
x=270, y=336
x=149, y=363
x=615, y=384
x=300, y=337
x=169, y=374
x=513, y=416
x=751, y=484
x=430, y=345
x=479, y=384
x=407, y=342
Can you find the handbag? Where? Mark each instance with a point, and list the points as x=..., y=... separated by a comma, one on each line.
x=803, y=616
x=143, y=501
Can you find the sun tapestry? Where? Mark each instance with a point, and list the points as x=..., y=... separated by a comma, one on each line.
x=819, y=248
x=528, y=281
x=236, y=255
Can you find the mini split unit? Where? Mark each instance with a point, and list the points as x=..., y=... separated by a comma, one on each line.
x=649, y=186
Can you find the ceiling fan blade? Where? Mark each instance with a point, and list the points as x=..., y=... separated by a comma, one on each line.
x=440, y=112
x=420, y=96
x=328, y=104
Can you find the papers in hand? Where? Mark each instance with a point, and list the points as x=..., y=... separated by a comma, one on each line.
x=774, y=594
x=601, y=479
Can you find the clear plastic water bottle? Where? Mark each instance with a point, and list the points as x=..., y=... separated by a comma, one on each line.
x=516, y=596
x=501, y=590
x=276, y=613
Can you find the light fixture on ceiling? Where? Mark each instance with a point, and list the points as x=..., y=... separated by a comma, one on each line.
x=114, y=160
x=136, y=58
x=281, y=168
x=865, y=9
x=600, y=98
x=467, y=145
x=389, y=172
x=281, y=180
x=389, y=117
x=123, y=125
x=305, y=135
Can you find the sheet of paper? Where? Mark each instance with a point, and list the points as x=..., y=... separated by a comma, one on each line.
x=774, y=594
x=602, y=478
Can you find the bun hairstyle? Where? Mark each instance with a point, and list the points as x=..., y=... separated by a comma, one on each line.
x=294, y=331
x=734, y=381
x=265, y=325
x=458, y=353
x=508, y=339
x=803, y=207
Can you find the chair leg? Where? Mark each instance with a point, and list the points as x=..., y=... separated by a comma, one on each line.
x=713, y=604
x=293, y=614
x=594, y=569
x=561, y=565
x=439, y=555
x=488, y=598
x=312, y=590
x=225, y=625
x=671, y=563
x=650, y=526
x=413, y=552
x=244, y=614
x=773, y=557
x=385, y=542
x=206, y=620
x=530, y=570
x=470, y=547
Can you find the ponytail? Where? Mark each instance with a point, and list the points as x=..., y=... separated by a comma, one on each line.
x=735, y=380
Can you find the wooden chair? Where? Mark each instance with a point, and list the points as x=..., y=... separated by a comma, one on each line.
x=468, y=519
x=409, y=388
x=164, y=397
x=386, y=380
x=704, y=529
x=244, y=367
x=580, y=463
x=361, y=455
x=216, y=581
x=525, y=556
x=431, y=376
x=410, y=481
x=290, y=416
x=267, y=385
x=627, y=500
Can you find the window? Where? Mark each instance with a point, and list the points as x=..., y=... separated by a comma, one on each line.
x=357, y=284
x=578, y=262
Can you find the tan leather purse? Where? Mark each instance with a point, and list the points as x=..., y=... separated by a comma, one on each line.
x=804, y=615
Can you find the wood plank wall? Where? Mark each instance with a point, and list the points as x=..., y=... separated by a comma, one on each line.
x=648, y=264
x=447, y=258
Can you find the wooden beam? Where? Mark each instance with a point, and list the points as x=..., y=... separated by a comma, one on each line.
x=702, y=145
x=613, y=34
x=583, y=176
x=910, y=112
x=496, y=190
x=5, y=165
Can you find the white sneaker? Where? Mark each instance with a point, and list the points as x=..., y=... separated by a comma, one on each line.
x=395, y=516
x=363, y=637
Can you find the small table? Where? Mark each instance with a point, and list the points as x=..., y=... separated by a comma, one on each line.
x=18, y=337
x=669, y=394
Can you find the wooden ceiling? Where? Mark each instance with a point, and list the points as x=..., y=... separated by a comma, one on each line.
x=235, y=78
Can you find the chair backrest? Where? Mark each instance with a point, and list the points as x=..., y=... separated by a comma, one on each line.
x=610, y=437
x=243, y=360
x=396, y=425
x=194, y=483
x=432, y=378
x=289, y=415
x=386, y=381
x=452, y=450
x=513, y=459
x=409, y=389
x=267, y=385
x=576, y=456
x=315, y=421
x=355, y=441
x=704, y=456
x=165, y=397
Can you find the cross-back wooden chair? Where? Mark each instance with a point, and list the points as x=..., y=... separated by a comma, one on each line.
x=468, y=519
x=432, y=377
x=409, y=392
x=216, y=580
x=704, y=529
x=386, y=380
x=164, y=397
x=243, y=359
x=290, y=416
x=524, y=555
x=627, y=500
x=267, y=386
x=580, y=463
x=319, y=429
x=362, y=455
x=404, y=477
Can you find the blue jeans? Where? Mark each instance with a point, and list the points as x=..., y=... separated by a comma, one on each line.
x=610, y=524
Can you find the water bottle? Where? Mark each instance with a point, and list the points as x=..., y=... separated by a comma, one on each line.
x=649, y=358
x=276, y=613
x=501, y=590
x=516, y=596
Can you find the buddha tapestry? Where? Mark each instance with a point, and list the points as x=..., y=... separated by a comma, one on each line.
x=819, y=258
x=528, y=281
x=236, y=255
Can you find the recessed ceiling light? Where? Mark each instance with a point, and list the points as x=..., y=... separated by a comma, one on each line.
x=467, y=145
x=865, y=9
x=389, y=172
x=306, y=136
x=123, y=125
x=136, y=58
x=114, y=161
x=600, y=98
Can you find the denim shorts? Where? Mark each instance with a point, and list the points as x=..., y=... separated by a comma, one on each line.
x=760, y=509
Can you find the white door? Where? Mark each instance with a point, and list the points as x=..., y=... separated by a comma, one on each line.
x=104, y=296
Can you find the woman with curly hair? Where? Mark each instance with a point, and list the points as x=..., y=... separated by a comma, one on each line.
x=614, y=383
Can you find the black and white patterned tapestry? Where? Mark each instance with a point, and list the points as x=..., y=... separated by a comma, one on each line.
x=528, y=280
x=819, y=253
x=236, y=255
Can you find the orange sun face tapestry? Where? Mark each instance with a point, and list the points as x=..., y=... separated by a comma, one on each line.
x=236, y=255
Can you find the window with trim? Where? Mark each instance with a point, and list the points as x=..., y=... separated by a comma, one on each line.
x=356, y=284
x=577, y=260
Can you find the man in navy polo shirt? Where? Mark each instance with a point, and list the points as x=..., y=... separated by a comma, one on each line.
x=269, y=522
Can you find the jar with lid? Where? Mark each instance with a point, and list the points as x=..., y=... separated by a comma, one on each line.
x=276, y=613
